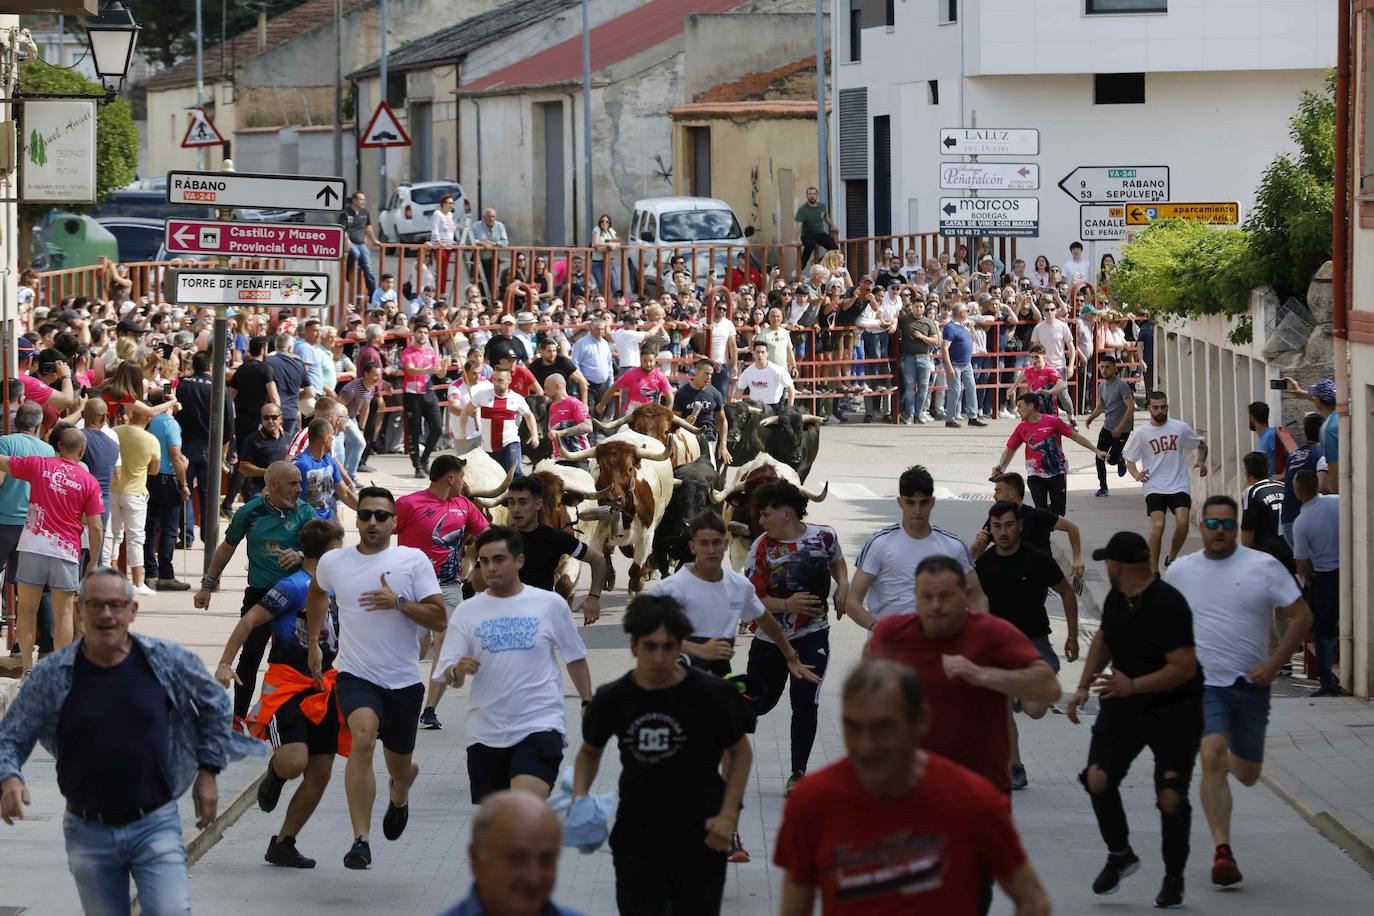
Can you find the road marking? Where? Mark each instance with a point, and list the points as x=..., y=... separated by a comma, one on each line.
x=852, y=491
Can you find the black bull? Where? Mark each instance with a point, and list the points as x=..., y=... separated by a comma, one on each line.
x=793, y=437
x=690, y=497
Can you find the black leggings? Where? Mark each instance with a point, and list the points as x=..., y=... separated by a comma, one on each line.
x=1050, y=492
x=666, y=872
x=420, y=407
x=1112, y=445
x=250, y=656
x=769, y=668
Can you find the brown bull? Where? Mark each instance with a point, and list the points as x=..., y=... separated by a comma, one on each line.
x=661, y=424
x=738, y=507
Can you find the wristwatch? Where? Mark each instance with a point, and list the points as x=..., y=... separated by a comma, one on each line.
x=400, y=602
x=209, y=582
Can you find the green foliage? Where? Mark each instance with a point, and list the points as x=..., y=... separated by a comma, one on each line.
x=116, y=138
x=169, y=26
x=1186, y=270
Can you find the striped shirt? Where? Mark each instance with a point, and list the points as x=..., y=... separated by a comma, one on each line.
x=355, y=396
x=891, y=556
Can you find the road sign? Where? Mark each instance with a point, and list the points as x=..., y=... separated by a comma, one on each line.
x=990, y=176
x=245, y=189
x=383, y=130
x=1102, y=222
x=246, y=287
x=990, y=141
x=201, y=131
x=1113, y=183
x=254, y=240
x=1213, y=214
x=1019, y=216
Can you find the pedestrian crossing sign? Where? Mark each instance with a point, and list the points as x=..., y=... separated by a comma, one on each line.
x=201, y=131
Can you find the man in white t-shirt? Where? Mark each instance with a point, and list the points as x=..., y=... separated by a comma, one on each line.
x=466, y=433
x=717, y=600
x=1061, y=353
x=1075, y=268
x=886, y=574
x=766, y=383
x=386, y=596
x=722, y=344
x=505, y=640
x=1234, y=592
x=498, y=411
x=1154, y=456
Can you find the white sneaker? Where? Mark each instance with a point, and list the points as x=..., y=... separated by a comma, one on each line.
x=143, y=590
x=925, y=417
x=1007, y=414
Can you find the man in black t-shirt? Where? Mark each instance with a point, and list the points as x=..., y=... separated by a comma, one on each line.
x=1261, y=506
x=264, y=446
x=1152, y=698
x=1017, y=578
x=545, y=546
x=549, y=361
x=253, y=385
x=673, y=724
x=701, y=404
x=357, y=222
x=1036, y=525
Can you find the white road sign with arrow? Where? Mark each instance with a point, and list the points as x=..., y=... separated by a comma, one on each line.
x=990, y=176
x=246, y=287
x=242, y=189
x=1018, y=216
x=1102, y=184
x=990, y=141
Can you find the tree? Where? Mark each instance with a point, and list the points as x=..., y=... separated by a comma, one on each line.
x=169, y=26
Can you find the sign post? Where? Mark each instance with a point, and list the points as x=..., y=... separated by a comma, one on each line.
x=990, y=141
x=1102, y=222
x=1009, y=216
x=990, y=176
x=58, y=151
x=232, y=189
x=1213, y=214
x=1116, y=183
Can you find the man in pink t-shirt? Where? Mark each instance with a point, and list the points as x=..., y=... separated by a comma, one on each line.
x=64, y=497
x=49, y=369
x=644, y=385
x=1047, y=468
x=420, y=362
x=569, y=421
x=1041, y=378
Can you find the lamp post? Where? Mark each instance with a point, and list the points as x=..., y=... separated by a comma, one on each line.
x=112, y=37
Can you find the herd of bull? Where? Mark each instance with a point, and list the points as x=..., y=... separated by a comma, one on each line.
x=650, y=475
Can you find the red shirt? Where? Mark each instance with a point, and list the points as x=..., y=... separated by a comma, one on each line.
x=967, y=724
x=521, y=380
x=1044, y=448
x=923, y=853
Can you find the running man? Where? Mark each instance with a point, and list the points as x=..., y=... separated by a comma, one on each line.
x=1152, y=698
x=440, y=521
x=384, y=595
x=505, y=640
x=1036, y=525
x=1234, y=592
x=1154, y=456
x=299, y=716
x=1047, y=468
x=1115, y=398
x=546, y=546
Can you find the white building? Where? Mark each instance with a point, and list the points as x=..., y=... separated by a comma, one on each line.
x=1204, y=87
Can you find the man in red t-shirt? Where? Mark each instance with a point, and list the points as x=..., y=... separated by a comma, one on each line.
x=1047, y=468
x=522, y=380
x=877, y=835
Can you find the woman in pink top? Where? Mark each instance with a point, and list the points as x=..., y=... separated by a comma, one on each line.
x=419, y=364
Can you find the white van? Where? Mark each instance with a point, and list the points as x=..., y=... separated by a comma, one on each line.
x=704, y=230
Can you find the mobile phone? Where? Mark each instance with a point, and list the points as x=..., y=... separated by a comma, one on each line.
x=1278, y=384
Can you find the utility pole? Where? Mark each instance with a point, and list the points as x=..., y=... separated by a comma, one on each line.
x=200, y=75
x=381, y=153
x=338, y=87
x=587, y=118
x=822, y=140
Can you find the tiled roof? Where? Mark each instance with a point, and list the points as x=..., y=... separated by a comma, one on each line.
x=762, y=85
x=611, y=42
x=777, y=108
x=280, y=29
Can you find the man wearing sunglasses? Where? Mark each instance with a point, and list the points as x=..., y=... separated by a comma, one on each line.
x=1234, y=592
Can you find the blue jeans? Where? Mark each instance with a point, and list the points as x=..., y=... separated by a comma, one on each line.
x=875, y=347
x=508, y=456
x=915, y=384
x=363, y=258
x=198, y=476
x=961, y=382
x=150, y=849
x=986, y=375
x=353, y=442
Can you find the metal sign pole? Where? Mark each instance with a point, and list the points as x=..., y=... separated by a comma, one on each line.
x=218, y=354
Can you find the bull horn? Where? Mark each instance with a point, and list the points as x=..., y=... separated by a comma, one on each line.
x=595, y=513
x=767, y=422
x=491, y=502
x=720, y=496
x=612, y=426
x=495, y=491
x=644, y=452
x=582, y=455
x=739, y=529
x=603, y=493
x=812, y=418
x=683, y=424
x=756, y=411
x=676, y=483
x=817, y=497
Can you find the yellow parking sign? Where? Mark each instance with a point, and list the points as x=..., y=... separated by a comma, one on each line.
x=1213, y=214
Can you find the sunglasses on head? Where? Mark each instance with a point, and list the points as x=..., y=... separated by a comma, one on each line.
x=367, y=515
x=1225, y=524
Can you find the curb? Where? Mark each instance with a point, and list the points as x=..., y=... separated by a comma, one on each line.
x=1355, y=843
x=206, y=839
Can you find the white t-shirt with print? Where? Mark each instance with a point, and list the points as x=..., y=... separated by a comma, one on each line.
x=1159, y=450
x=766, y=385
x=381, y=647
x=518, y=688
x=715, y=608
x=499, y=417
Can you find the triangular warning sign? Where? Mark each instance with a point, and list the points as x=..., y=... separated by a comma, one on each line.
x=201, y=131
x=383, y=130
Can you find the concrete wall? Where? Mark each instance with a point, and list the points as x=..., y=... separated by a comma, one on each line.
x=722, y=47
x=168, y=117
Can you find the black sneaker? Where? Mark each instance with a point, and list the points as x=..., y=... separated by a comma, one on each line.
x=974, y=421
x=420, y=474
x=952, y=424
x=1117, y=867
x=1018, y=776
x=269, y=790
x=430, y=720
x=395, y=819
x=285, y=854
x=171, y=585
x=1170, y=892
x=359, y=856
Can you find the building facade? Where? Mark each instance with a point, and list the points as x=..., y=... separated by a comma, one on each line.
x=1204, y=87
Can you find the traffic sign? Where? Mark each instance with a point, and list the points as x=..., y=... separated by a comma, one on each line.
x=1111, y=183
x=990, y=141
x=245, y=189
x=246, y=287
x=1019, y=216
x=384, y=129
x=990, y=176
x=1102, y=222
x=1213, y=214
x=201, y=131
x=254, y=240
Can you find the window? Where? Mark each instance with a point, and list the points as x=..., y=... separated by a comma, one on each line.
x=856, y=27
x=1119, y=89
x=396, y=90
x=949, y=11
x=1096, y=7
x=933, y=91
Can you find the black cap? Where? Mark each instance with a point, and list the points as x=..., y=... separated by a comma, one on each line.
x=1124, y=547
x=126, y=326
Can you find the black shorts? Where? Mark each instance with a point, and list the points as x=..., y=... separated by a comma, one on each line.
x=1167, y=502
x=490, y=769
x=398, y=711
x=1171, y=730
x=290, y=726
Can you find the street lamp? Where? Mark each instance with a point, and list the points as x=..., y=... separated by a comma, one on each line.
x=112, y=35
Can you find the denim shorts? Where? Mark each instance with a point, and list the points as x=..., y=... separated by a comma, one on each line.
x=1241, y=713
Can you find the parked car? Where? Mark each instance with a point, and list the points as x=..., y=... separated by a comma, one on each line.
x=139, y=239
x=148, y=204
x=408, y=212
x=702, y=229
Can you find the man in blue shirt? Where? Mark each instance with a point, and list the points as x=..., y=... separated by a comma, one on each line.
x=1323, y=395
x=957, y=350
x=1305, y=457
x=322, y=482
x=1317, y=550
x=167, y=493
x=305, y=349
x=592, y=356
x=293, y=383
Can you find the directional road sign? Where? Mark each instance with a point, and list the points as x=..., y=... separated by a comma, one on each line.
x=244, y=189
x=246, y=287
x=990, y=176
x=1019, y=216
x=990, y=141
x=1213, y=214
x=1102, y=222
x=255, y=240
x=1113, y=183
